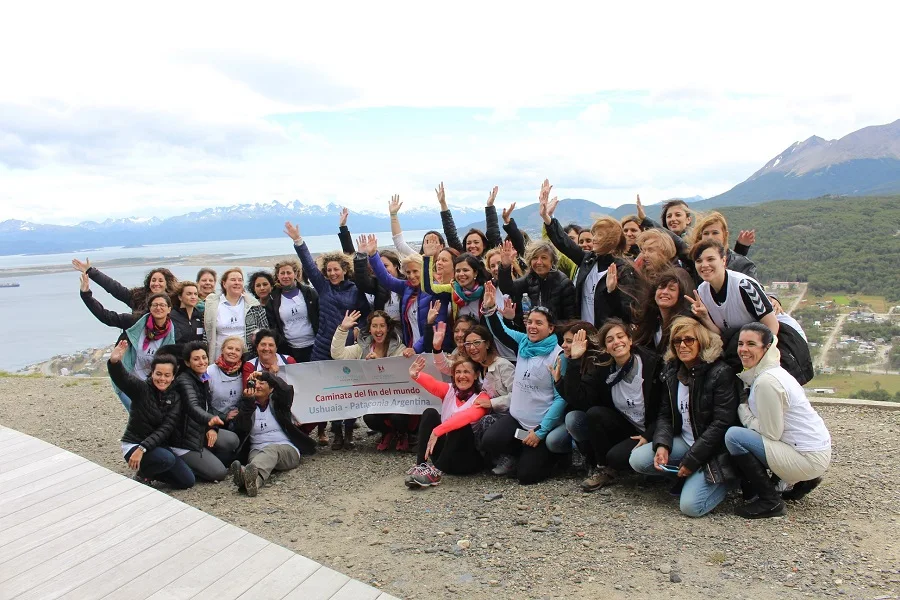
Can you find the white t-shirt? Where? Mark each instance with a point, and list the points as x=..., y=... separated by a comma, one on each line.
x=226, y=391
x=628, y=396
x=298, y=331
x=230, y=320
x=143, y=358
x=412, y=316
x=392, y=307
x=266, y=431
x=588, y=292
x=684, y=404
x=533, y=390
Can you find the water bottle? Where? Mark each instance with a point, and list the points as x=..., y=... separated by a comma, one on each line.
x=526, y=303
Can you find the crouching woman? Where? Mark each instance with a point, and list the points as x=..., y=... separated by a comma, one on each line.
x=701, y=403
x=155, y=412
x=268, y=432
x=782, y=431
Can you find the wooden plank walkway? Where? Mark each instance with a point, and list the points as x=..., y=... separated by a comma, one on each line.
x=72, y=529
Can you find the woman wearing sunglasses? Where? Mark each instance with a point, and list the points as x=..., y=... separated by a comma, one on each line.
x=698, y=406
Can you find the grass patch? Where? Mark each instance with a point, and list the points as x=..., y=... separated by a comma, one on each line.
x=845, y=384
x=26, y=376
x=877, y=303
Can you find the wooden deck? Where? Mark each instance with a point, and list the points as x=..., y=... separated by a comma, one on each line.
x=70, y=528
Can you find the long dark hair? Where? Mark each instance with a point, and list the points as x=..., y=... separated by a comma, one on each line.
x=482, y=275
x=140, y=296
x=647, y=315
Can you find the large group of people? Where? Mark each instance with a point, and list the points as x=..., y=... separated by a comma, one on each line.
x=623, y=348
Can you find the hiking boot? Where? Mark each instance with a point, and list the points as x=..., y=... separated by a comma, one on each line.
x=768, y=502
x=338, y=442
x=402, y=442
x=237, y=474
x=385, y=442
x=597, y=478
x=348, y=439
x=801, y=488
x=506, y=466
x=251, y=480
x=425, y=476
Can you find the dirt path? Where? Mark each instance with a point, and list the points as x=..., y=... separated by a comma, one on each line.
x=804, y=287
x=838, y=324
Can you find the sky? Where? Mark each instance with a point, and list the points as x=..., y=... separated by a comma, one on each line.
x=117, y=109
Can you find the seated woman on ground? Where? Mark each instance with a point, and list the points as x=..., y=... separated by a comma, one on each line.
x=225, y=381
x=781, y=430
x=293, y=311
x=188, y=319
x=449, y=433
x=267, y=432
x=535, y=406
x=260, y=284
x=714, y=227
x=156, y=412
x=265, y=356
x=701, y=403
x=146, y=333
x=201, y=425
x=381, y=341
x=666, y=297
x=403, y=249
x=624, y=417
x=206, y=285
x=137, y=299
x=475, y=242
x=234, y=312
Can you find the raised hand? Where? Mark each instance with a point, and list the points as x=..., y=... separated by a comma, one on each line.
x=556, y=369
x=362, y=244
x=343, y=218
x=291, y=230
x=430, y=247
x=490, y=296
x=507, y=254
x=612, y=278
x=507, y=213
x=81, y=266
x=441, y=196
x=416, y=367
x=697, y=306
x=545, y=191
x=492, y=196
x=579, y=344
x=641, y=215
x=118, y=352
x=434, y=310
x=551, y=206
x=509, y=309
x=350, y=320
x=372, y=243
x=440, y=331
x=747, y=237
x=85, y=282
x=394, y=205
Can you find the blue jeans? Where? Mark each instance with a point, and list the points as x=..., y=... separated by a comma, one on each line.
x=698, y=496
x=575, y=428
x=559, y=441
x=740, y=440
x=162, y=464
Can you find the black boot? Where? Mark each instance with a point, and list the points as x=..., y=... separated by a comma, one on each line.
x=348, y=438
x=801, y=488
x=769, y=502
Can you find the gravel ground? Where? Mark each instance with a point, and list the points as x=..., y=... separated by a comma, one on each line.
x=350, y=511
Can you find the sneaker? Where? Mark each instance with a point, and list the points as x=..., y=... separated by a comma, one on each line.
x=426, y=476
x=385, y=442
x=323, y=439
x=141, y=479
x=237, y=474
x=783, y=486
x=597, y=478
x=416, y=468
x=403, y=443
x=251, y=480
x=506, y=466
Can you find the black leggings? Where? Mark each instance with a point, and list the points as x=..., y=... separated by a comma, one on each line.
x=455, y=452
x=611, y=437
x=301, y=355
x=535, y=464
x=384, y=423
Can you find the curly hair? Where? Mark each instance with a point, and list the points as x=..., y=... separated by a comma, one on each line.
x=289, y=262
x=140, y=295
x=251, y=281
x=345, y=260
x=710, y=343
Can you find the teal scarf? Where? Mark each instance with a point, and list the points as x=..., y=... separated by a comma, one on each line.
x=529, y=349
x=461, y=296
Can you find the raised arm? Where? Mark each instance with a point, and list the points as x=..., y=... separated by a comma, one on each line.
x=492, y=225
x=429, y=286
x=339, y=349
x=344, y=233
x=512, y=230
x=310, y=269
x=514, y=288
x=125, y=381
x=447, y=221
x=107, y=317
x=495, y=323
x=403, y=249
x=392, y=283
x=113, y=287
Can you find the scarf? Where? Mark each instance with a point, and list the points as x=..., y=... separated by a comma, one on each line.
x=461, y=297
x=228, y=368
x=290, y=291
x=529, y=349
x=617, y=376
x=153, y=333
x=463, y=397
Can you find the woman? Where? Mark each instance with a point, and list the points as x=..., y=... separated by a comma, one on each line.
x=492, y=260
x=269, y=436
x=781, y=430
x=433, y=238
x=656, y=251
x=535, y=406
x=260, y=284
x=451, y=439
x=206, y=285
x=689, y=441
x=202, y=426
x=156, y=412
x=157, y=281
x=665, y=298
x=187, y=317
x=382, y=341
x=542, y=285
x=225, y=382
x=146, y=334
x=465, y=292
x=631, y=227
x=727, y=300
x=624, y=416
x=293, y=310
x=714, y=227
x=475, y=242
x=234, y=312
x=435, y=339
x=267, y=358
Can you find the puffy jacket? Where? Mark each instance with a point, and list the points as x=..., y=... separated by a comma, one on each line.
x=334, y=301
x=154, y=414
x=187, y=329
x=714, y=397
x=402, y=288
x=554, y=291
x=741, y=264
x=197, y=410
x=134, y=298
x=273, y=316
x=280, y=403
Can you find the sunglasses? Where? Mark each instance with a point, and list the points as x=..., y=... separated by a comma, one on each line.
x=687, y=341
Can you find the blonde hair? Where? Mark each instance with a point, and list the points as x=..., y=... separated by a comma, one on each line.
x=705, y=221
x=235, y=338
x=610, y=234
x=541, y=247
x=516, y=269
x=412, y=258
x=662, y=238
x=710, y=343
x=289, y=262
x=342, y=259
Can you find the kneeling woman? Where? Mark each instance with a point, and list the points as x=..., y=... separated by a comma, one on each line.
x=264, y=421
x=782, y=431
x=155, y=412
x=210, y=446
x=689, y=441
x=451, y=439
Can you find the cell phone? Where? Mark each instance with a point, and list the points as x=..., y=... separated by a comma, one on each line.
x=521, y=434
x=669, y=468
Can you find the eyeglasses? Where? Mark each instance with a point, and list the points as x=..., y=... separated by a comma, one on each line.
x=475, y=344
x=159, y=305
x=687, y=341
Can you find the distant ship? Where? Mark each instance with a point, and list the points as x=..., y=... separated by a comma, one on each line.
x=6, y=285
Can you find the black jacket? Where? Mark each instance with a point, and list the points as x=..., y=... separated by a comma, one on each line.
x=154, y=414
x=135, y=298
x=741, y=264
x=491, y=231
x=197, y=410
x=273, y=306
x=187, y=329
x=280, y=404
x=714, y=397
x=581, y=385
x=554, y=291
x=108, y=317
x=653, y=388
x=587, y=261
x=362, y=277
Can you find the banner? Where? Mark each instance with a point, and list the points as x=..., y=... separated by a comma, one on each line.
x=331, y=390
